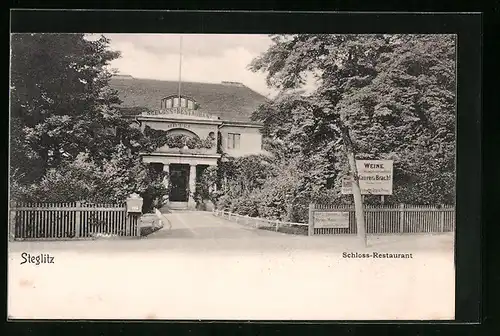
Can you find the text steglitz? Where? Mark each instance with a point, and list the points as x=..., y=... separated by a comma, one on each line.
x=43, y=258
x=377, y=255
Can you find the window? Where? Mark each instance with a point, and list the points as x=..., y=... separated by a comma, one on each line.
x=233, y=141
x=175, y=101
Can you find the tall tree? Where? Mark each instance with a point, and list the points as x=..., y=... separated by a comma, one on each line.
x=68, y=141
x=60, y=102
x=381, y=96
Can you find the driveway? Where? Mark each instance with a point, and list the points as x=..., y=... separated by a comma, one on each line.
x=204, y=225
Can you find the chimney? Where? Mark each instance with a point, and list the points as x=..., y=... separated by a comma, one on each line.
x=120, y=76
x=228, y=83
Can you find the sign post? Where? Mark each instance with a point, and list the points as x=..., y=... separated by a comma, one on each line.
x=333, y=220
x=134, y=210
x=375, y=178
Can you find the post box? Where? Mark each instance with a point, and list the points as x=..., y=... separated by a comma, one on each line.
x=134, y=203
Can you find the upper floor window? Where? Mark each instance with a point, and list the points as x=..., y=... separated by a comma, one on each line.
x=233, y=140
x=175, y=101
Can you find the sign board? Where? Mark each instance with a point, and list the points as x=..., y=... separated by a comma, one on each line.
x=375, y=178
x=181, y=111
x=134, y=203
x=346, y=186
x=177, y=125
x=339, y=220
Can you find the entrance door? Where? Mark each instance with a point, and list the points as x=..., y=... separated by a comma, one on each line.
x=179, y=176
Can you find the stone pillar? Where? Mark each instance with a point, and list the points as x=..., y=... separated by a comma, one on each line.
x=209, y=205
x=214, y=187
x=166, y=178
x=192, y=186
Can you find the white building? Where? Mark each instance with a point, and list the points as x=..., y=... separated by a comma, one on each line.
x=203, y=111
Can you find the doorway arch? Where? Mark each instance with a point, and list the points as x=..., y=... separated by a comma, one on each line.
x=183, y=131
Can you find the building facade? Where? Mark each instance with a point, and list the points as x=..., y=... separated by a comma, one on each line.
x=217, y=115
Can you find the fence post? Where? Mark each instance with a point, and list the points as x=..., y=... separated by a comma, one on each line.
x=77, y=220
x=310, y=229
x=277, y=225
x=12, y=222
x=441, y=219
x=401, y=217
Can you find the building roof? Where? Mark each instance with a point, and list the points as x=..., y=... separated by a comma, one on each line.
x=230, y=101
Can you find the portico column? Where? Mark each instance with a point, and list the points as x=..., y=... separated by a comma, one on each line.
x=166, y=178
x=214, y=187
x=192, y=185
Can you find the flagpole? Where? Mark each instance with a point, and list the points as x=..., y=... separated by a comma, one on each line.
x=180, y=69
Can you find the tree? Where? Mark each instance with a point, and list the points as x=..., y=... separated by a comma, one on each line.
x=380, y=96
x=68, y=141
x=60, y=102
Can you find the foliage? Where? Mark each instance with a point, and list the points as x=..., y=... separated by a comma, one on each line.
x=75, y=181
x=68, y=143
x=84, y=180
x=60, y=102
x=161, y=138
x=395, y=93
x=206, y=186
x=234, y=176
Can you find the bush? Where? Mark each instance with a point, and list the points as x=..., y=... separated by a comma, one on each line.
x=83, y=180
x=153, y=196
x=247, y=206
x=75, y=181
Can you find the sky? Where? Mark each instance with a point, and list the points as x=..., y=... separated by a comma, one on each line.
x=210, y=58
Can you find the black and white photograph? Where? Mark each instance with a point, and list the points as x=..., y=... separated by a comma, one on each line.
x=182, y=176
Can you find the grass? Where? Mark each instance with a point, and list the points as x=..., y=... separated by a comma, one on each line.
x=289, y=229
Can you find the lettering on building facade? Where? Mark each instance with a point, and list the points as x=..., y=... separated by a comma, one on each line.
x=177, y=125
x=182, y=111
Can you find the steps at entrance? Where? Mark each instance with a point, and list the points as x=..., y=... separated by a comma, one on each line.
x=177, y=205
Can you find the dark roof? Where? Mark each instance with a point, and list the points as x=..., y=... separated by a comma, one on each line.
x=228, y=100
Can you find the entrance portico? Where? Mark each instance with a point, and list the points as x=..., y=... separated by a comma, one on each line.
x=181, y=171
x=190, y=135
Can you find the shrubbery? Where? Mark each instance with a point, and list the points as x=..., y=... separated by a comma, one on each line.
x=258, y=186
x=161, y=138
x=68, y=141
x=84, y=180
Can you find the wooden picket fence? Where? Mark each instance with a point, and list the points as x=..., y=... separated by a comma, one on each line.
x=256, y=222
x=387, y=219
x=379, y=220
x=63, y=221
